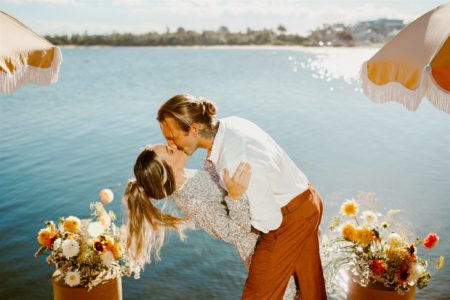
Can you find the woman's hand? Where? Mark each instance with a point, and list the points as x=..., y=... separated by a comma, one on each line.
x=238, y=184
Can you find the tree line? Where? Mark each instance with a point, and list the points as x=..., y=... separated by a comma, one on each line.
x=183, y=37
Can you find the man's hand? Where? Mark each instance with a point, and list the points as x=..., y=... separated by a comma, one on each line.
x=238, y=184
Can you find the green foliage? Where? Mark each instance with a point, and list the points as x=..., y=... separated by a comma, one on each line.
x=184, y=37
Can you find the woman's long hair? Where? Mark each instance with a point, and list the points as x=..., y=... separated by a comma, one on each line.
x=146, y=223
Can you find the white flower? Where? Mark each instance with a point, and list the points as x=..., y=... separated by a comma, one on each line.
x=72, y=278
x=57, y=244
x=393, y=212
x=416, y=271
x=106, y=195
x=70, y=248
x=394, y=240
x=105, y=220
x=95, y=229
x=107, y=258
x=369, y=217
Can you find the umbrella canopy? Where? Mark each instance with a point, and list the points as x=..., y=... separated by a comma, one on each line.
x=414, y=64
x=25, y=57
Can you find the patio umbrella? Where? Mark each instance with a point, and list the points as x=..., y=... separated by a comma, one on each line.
x=414, y=64
x=25, y=57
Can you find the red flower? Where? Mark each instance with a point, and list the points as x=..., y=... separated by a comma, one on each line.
x=403, y=273
x=431, y=240
x=378, y=267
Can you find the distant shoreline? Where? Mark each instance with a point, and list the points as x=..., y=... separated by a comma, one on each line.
x=226, y=47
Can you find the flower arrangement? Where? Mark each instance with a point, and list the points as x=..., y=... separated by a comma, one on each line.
x=85, y=252
x=374, y=252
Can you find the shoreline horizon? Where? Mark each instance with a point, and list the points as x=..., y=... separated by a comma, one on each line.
x=244, y=47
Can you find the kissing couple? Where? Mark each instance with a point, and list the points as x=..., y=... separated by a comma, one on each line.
x=249, y=193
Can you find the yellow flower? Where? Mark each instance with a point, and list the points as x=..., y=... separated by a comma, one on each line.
x=364, y=235
x=349, y=208
x=396, y=254
x=72, y=224
x=349, y=231
x=117, y=250
x=440, y=262
x=46, y=236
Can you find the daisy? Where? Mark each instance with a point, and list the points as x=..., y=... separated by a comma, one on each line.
x=369, y=217
x=95, y=229
x=72, y=278
x=394, y=240
x=70, y=248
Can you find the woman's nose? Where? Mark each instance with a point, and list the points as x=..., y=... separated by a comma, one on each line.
x=172, y=145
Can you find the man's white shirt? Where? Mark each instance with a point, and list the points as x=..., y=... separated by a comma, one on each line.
x=275, y=178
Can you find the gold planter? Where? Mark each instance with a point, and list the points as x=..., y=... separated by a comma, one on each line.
x=109, y=290
x=376, y=291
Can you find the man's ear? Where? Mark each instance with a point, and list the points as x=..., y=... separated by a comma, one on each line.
x=194, y=129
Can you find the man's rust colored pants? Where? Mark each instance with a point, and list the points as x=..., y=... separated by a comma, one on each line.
x=291, y=249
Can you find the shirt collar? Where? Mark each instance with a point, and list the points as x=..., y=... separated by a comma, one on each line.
x=217, y=146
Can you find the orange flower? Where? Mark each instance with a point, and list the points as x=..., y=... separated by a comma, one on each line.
x=46, y=236
x=364, y=236
x=431, y=240
x=349, y=232
x=106, y=195
x=349, y=208
x=72, y=224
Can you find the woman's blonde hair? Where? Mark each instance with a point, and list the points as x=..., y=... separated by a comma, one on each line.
x=187, y=109
x=146, y=223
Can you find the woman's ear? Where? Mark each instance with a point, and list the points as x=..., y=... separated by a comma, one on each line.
x=194, y=129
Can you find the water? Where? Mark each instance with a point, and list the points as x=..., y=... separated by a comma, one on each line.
x=60, y=144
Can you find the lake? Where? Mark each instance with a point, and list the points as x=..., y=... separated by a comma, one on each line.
x=61, y=144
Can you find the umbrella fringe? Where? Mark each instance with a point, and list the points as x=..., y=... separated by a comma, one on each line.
x=437, y=96
x=410, y=99
x=9, y=83
x=392, y=91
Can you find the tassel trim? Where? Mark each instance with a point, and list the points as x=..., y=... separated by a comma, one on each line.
x=410, y=99
x=26, y=74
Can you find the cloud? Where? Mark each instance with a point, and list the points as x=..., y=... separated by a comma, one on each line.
x=57, y=2
x=45, y=27
x=348, y=11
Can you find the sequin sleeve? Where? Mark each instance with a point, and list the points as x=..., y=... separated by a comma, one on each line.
x=239, y=211
x=201, y=200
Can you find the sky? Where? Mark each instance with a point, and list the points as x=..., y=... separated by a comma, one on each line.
x=141, y=16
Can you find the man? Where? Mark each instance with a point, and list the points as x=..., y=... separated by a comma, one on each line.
x=284, y=207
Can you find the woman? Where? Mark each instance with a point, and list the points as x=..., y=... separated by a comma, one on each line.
x=160, y=172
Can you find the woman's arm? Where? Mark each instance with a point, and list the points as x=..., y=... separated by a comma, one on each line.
x=232, y=224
